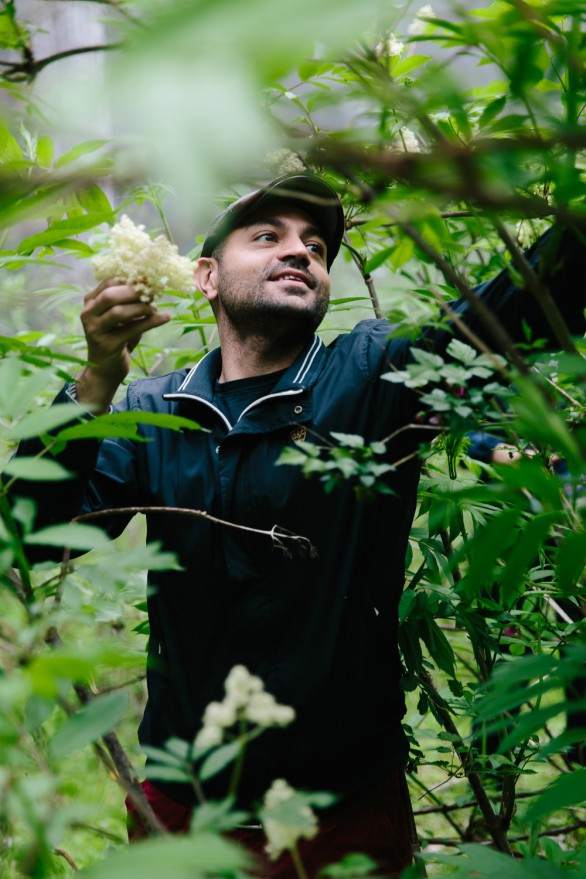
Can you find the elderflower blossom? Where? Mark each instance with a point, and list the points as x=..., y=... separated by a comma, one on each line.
x=417, y=26
x=150, y=265
x=283, y=832
x=407, y=141
x=391, y=47
x=246, y=700
x=284, y=161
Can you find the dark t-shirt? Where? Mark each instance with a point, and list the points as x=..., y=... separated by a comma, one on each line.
x=235, y=396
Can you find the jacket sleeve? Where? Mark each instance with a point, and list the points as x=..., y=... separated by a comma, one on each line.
x=557, y=257
x=103, y=476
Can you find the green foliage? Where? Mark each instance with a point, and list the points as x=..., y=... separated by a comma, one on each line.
x=351, y=460
x=437, y=139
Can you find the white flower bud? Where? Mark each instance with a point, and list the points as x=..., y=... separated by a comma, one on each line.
x=417, y=26
x=209, y=737
x=281, y=835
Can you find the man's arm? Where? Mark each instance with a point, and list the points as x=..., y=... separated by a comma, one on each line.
x=114, y=318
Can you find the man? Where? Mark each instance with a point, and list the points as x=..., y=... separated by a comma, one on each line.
x=320, y=632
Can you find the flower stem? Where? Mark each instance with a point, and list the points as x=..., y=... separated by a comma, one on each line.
x=239, y=764
x=298, y=864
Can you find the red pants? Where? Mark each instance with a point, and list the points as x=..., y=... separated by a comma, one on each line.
x=374, y=822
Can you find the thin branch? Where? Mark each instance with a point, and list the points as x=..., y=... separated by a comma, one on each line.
x=470, y=804
x=537, y=289
x=493, y=822
x=449, y=552
x=439, y=807
x=391, y=436
x=483, y=313
x=63, y=854
x=561, y=391
x=558, y=831
x=366, y=277
x=281, y=538
x=119, y=765
x=465, y=330
x=30, y=68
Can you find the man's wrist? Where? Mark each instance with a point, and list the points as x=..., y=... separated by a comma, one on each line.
x=92, y=389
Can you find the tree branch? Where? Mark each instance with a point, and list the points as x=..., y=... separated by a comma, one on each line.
x=30, y=68
x=537, y=288
x=493, y=822
x=282, y=538
x=367, y=278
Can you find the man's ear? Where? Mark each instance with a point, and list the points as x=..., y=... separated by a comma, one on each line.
x=206, y=277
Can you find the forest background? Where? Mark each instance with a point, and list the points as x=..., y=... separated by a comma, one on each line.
x=455, y=136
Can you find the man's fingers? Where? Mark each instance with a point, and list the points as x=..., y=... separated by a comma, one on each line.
x=127, y=331
x=121, y=314
x=93, y=294
x=110, y=296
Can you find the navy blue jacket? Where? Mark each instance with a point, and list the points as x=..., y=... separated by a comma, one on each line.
x=320, y=632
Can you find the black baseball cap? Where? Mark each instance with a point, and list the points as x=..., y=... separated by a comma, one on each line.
x=307, y=190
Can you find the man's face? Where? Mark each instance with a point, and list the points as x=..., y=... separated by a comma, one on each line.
x=272, y=274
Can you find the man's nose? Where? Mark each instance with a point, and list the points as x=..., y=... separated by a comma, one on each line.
x=293, y=247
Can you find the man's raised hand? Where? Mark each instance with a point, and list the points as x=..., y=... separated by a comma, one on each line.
x=114, y=318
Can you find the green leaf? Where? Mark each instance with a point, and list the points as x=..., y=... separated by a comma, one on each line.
x=571, y=560
x=406, y=65
x=403, y=252
x=42, y=421
x=176, y=857
x=90, y=723
x=219, y=759
x=94, y=200
x=45, y=151
x=491, y=111
x=406, y=604
x=485, y=548
x=523, y=554
x=41, y=469
x=74, y=535
x=167, y=773
x=124, y=424
x=82, y=149
x=351, y=440
x=378, y=259
x=567, y=790
x=64, y=229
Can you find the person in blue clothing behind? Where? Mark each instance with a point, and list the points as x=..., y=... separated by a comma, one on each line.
x=320, y=632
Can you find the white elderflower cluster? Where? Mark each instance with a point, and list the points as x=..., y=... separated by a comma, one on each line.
x=406, y=141
x=417, y=26
x=391, y=47
x=285, y=822
x=152, y=265
x=246, y=700
x=284, y=161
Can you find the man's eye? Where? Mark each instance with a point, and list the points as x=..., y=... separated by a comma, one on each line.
x=266, y=236
x=316, y=247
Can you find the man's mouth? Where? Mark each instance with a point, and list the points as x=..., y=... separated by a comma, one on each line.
x=294, y=276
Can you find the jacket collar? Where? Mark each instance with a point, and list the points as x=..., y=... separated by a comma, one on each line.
x=301, y=375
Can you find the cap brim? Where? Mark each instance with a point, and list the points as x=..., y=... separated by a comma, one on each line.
x=308, y=191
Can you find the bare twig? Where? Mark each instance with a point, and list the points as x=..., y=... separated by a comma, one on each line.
x=557, y=831
x=29, y=68
x=367, y=278
x=281, y=538
x=119, y=765
x=493, y=822
x=63, y=854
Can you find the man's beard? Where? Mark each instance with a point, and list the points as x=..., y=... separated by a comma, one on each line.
x=254, y=312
